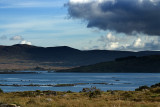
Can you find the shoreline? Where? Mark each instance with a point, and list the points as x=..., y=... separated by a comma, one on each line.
x=54, y=85
x=17, y=72
x=55, y=71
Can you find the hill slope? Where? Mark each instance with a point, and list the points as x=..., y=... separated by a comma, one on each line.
x=145, y=64
x=26, y=56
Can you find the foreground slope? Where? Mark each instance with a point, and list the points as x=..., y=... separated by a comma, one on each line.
x=144, y=96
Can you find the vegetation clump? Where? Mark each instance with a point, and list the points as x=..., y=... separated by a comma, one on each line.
x=69, y=91
x=92, y=92
x=142, y=88
x=63, y=85
x=1, y=91
x=155, y=85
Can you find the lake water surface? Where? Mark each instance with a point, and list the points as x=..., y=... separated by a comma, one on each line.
x=116, y=81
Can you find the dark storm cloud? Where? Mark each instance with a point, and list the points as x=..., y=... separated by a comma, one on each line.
x=124, y=16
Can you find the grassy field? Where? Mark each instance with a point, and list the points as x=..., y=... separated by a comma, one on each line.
x=88, y=97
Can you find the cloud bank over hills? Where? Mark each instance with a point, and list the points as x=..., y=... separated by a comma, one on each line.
x=132, y=43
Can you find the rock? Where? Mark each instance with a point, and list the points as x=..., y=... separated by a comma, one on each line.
x=49, y=99
x=12, y=105
x=64, y=95
x=41, y=93
x=9, y=105
x=3, y=105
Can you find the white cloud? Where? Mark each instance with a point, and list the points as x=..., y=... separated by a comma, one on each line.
x=114, y=45
x=111, y=37
x=126, y=43
x=109, y=42
x=137, y=43
x=25, y=42
x=22, y=41
x=16, y=38
x=87, y=1
x=79, y=1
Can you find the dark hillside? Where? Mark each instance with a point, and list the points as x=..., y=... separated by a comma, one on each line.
x=145, y=64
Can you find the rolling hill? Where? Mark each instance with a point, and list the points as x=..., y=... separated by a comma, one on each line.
x=27, y=56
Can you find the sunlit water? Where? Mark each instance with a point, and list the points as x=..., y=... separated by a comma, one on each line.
x=116, y=81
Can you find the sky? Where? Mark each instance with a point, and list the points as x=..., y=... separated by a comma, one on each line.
x=128, y=25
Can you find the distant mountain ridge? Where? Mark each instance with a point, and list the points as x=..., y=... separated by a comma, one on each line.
x=63, y=55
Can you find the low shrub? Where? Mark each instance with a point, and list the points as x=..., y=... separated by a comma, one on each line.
x=38, y=91
x=92, y=92
x=142, y=88
x=127, y=94
x=54, y=93
x=1, y=91
x=69, y=91
x=155, y=85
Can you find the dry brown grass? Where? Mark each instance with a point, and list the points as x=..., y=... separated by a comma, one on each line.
x=63, y=99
